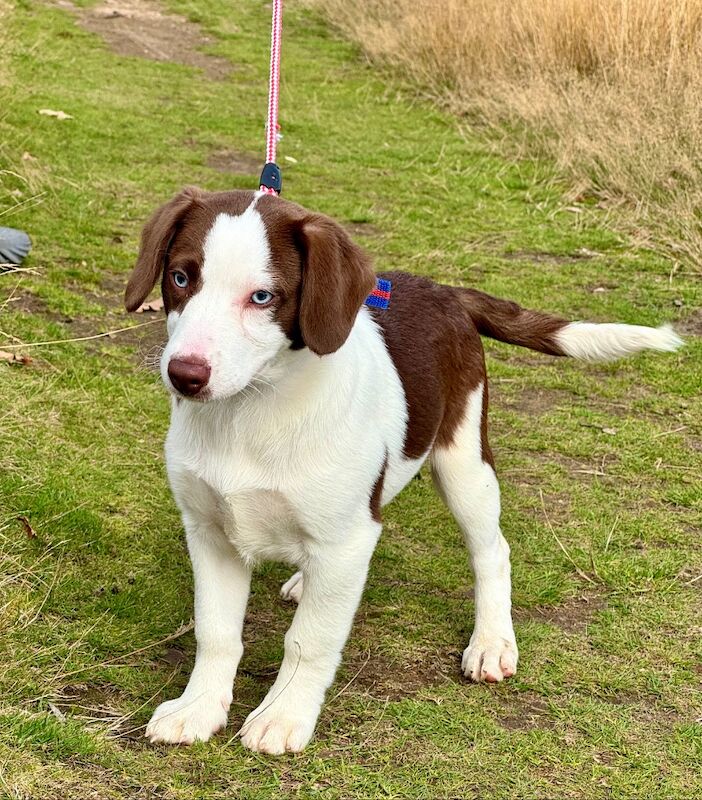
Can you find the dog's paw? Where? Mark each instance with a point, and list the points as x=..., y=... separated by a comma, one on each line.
x=490, y=658
x=275, y=730
x=292, y=589
x=187, y=718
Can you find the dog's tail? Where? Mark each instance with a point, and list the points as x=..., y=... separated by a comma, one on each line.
x=588, y=341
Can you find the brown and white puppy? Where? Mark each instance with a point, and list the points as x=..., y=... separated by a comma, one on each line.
x=298, y=412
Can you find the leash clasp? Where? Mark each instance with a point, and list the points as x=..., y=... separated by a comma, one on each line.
x=271, y=180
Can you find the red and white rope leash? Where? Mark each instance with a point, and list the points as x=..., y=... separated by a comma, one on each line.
x=271, y=181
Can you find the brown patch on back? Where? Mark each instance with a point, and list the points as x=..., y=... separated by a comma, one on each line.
x=144, y=29
x=438, y=354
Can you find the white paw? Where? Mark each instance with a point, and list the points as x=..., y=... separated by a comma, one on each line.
x=276, y=730
x=490, y=658
x=187, y=718
x=292, y=589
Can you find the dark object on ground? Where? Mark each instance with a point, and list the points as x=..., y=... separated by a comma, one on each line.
x=14, y=247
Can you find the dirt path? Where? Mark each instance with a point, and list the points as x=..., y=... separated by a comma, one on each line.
x=146, y=30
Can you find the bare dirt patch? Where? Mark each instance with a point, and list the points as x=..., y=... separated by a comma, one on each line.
x=531, y=401
x=234, y=163
x=529, y=471
x=364, y=229
x=540, y=257
x=572, y=616
x=143, y=29
x=522, y=712
x=399, y=675
x=692, y=325
x=30, y=304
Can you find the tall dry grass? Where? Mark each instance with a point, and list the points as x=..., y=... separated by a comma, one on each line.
x=612, y=89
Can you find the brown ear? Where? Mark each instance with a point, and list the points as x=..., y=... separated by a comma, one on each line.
x=337, y=276
x=155, y=240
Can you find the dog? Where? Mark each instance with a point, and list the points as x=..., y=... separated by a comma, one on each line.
x=298, y=411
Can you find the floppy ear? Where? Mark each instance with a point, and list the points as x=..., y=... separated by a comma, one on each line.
x=155, y=240
x=337, y=276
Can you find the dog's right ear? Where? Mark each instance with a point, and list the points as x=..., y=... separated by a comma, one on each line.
x=155, y=241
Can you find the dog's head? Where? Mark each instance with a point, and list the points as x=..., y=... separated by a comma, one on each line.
x=243, y=278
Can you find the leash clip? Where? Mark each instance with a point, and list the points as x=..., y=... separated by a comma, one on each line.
x=271, y=180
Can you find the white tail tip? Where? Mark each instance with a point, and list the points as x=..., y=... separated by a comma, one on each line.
x=590, y=341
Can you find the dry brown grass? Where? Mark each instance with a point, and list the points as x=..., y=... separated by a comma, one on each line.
x=611, y=88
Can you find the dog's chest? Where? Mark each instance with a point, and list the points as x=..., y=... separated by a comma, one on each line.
x=242, y=488
x=261, y=524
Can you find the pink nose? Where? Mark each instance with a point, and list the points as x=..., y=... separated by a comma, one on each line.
x=189, y=375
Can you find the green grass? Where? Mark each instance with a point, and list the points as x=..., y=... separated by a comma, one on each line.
x=607, y=702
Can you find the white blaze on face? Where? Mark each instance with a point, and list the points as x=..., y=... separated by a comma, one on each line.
x=219, y=323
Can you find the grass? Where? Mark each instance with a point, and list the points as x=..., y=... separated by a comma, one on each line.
x=96, y=586
x=608, y=89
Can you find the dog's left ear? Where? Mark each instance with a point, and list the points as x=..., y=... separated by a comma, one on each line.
x=155, y=240
x=337, y=276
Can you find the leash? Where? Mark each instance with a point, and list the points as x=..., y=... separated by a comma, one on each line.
x=271, y=181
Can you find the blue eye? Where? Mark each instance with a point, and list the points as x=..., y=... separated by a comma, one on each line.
x=261, y=297
x=180, y=279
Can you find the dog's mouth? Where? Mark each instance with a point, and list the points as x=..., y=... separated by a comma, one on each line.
x=205, y=396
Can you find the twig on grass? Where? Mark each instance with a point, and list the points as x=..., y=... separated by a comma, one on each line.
x=46, y=596
x=121, y=720
x=7, y=268
x=27, y=203
x=611, y=532
x=377, y=724
x=10, y=297
x=344, y=688
x=185, y=628
x=669, y=433
x=570, y=558
x=83, y=338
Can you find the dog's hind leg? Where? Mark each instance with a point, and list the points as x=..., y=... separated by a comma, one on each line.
x=468, y=485
x=292, y=588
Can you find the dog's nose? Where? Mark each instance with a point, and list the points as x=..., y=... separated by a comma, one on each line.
x=189, y=375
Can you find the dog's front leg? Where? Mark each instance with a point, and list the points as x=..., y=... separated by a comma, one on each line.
x=222, y=583
x=334, y=579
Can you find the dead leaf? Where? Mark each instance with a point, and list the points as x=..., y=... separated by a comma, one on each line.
x=49, y=112
x=14, y=358
x=31, y=533
x=150, y=305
